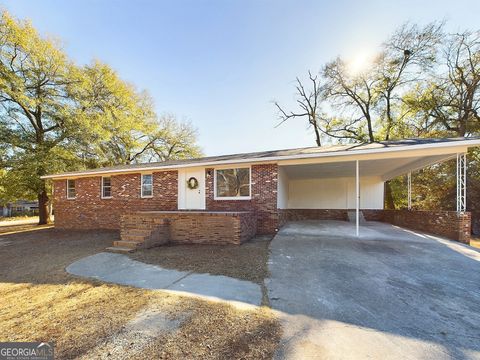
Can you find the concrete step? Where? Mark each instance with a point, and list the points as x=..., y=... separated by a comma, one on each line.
x=128, y=244
x=120, y=250
x=137, y=232
x=138, y=226
x=136, y=238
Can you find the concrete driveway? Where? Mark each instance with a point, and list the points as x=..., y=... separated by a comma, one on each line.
x=390, y=294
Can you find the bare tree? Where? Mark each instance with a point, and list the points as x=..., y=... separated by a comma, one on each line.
x=309, y=104
x=355, y=95
x=368, y=105
x=406, y=57
x=454, y=101
x=373, y=99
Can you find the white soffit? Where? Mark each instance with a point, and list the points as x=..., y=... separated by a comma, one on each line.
x=385, y=168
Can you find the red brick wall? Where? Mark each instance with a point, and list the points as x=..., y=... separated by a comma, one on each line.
x=326, y=214
x=475, y=222
x=89, y=211
x=195, y=227
x=374, y=215
x=263, y=197
x=312, y=214
x=208, y=228
x=449, y=224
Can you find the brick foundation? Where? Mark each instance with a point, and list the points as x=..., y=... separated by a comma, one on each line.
x=312, y=214
x=190, y=227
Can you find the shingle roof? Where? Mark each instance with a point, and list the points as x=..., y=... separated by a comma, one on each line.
x=276, y=154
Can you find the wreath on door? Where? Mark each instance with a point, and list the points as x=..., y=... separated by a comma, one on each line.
x=192, y=183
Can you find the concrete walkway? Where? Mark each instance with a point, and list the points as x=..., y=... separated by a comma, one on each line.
x=390, y=294
x=120, y=269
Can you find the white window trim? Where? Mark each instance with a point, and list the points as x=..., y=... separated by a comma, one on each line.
x=68, y=197
x=101, y=188
x=215, y=197
x=141, y=187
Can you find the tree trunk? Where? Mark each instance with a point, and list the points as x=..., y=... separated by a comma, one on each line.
x=43, y=213
x=389, y=118
x=317, y=135
x=370, y=129
x=389, y=203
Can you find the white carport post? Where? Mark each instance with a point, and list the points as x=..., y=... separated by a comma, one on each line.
x=357, y=197
x=461, y=182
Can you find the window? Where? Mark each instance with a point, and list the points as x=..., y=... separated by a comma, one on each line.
x=147, y=185
x=232, y=183
x=71, y=189
x=106, y=187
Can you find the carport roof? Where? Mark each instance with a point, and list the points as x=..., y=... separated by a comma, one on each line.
x=281, y=155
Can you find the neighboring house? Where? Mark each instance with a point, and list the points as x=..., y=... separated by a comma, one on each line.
x=19, y=207
x=257, y=192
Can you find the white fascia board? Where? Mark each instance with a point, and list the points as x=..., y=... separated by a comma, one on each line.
x=461, y=146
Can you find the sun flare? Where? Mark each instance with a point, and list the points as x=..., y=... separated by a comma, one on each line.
x=359, y=62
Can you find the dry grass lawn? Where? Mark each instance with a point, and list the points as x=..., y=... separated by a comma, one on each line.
x=17, y=218
x=217, y=331
x=41, y=302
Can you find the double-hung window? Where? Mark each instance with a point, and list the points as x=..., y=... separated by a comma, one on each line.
x=106, y=187
x=147, y=185
x=71, y=193
x=232, y=184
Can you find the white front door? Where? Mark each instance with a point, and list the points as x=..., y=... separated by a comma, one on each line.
x=195, y=194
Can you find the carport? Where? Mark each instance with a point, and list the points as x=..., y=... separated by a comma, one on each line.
x=349, y=181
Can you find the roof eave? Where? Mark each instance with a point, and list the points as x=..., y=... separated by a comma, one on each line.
x=467, y=143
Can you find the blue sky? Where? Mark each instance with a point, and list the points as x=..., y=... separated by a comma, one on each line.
x=220, y=64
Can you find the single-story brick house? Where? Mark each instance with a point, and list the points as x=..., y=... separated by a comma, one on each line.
x=230, y=198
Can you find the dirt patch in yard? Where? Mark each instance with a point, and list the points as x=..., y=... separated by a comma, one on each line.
x=246, y=262
x=41, y=302
x=186, y=328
